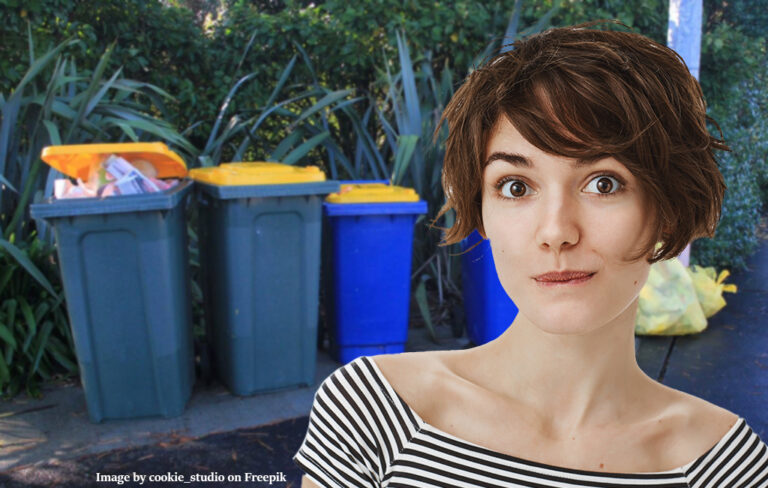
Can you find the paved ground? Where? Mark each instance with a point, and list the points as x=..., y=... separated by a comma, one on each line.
x=50, y=442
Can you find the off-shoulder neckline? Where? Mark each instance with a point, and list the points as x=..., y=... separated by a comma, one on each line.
x=514, y=459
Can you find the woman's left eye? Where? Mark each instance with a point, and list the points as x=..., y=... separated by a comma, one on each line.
x=604, y=185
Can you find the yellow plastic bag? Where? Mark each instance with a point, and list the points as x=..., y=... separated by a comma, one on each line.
x=668, y=302
x=710, y=287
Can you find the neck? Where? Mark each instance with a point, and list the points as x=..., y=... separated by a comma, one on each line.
x=573, y=383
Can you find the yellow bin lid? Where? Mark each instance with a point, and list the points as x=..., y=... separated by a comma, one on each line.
x=372, y=193
x=256, y=173
x=77, y=160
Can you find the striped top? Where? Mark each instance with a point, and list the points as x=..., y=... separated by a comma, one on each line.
x=362, y=434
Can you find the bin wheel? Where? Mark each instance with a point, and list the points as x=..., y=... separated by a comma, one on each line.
x=203, y=366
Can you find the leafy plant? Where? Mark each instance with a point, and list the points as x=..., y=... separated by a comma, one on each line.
x=742, y=116
x=734, y=74
x=35, y=340
x=303, y=115
x=415, y=100
x=54, y=103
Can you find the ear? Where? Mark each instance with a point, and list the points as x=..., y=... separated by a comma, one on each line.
x=666, y=231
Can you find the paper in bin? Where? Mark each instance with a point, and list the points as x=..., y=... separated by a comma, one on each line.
x=129, y=179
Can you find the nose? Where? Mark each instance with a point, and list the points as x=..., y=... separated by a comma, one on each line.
x=558, y=224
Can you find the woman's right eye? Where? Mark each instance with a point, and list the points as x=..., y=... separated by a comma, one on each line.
x=512, y=189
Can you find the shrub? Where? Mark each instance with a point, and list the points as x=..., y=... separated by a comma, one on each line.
x=35, y=339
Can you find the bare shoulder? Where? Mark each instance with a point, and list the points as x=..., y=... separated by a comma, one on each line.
x=711, y=420
x=416, y=376
x=692, y=426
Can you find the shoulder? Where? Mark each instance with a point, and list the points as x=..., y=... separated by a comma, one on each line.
x=354, y=430
x=419, y=378
x=711, y=422
x=688, y=427
x=733, y=452
x=383, y=389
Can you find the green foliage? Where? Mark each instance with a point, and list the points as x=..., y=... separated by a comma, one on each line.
x=20, y=18
x=155, y=44
x=751, y=16
x=728, y=57
x=35, y=340
x=734, y=77
x=53, y=104
x=415, y=101
x=735, y=237
x=742, y=116
x=168, y=47
x=152, y=43
x=647, y=17
x=329, y=83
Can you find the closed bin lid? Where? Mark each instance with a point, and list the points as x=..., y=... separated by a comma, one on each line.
x=77, y=160
x=257, y=173
x=372, y=193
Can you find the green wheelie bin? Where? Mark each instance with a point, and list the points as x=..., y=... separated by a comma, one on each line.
x=259, y=233
x=124, y=266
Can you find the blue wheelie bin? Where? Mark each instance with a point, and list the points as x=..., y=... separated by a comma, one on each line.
x=259, y=232
x=124, y=266
x=370, y=242
x=325, y=283
x=489, y=310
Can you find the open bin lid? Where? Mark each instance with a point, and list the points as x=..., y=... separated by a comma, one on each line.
x=372, y=193
x=257, y=173
x=77, y=160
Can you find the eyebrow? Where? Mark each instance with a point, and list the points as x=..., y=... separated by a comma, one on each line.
x=521, y=161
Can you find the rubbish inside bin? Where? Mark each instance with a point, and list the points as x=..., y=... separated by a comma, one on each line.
x=115, y=176
x=102, y=170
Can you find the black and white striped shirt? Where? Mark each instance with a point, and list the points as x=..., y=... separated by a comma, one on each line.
x=362, y=434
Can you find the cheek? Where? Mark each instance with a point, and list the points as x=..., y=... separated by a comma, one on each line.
x=623, y=235
x=513, y=246
x=508, y=231
x=618, y=235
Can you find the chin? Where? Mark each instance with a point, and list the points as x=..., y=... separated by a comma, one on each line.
x=567, y=328
x=571, y=330
x=566, y=320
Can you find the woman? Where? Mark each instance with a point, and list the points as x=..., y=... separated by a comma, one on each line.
x=574, y=154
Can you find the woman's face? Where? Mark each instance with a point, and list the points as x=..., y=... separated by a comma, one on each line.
x=546, y=213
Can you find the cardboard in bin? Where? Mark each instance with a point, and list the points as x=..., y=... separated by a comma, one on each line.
x=79, y=160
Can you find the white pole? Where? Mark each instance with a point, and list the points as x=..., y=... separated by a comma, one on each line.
x=684, y=36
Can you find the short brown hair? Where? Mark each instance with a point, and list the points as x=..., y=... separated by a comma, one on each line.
x=586, y=93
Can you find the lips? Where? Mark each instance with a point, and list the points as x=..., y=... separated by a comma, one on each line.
x=563, y=276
